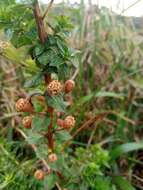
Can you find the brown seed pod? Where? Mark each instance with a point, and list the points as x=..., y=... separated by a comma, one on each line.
x=39, y=175
x=52, y=157
x=54, y=87
x=60, y=122
x=24, y=105
x=69, y=122
x=68, y=86
x=27, y=121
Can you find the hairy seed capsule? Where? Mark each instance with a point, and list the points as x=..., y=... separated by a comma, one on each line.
x=54, y=87
x=68, y=86
x=39, y=175
x=69, y=122
x=52, y=157
x=23, y=105
x=27, y=121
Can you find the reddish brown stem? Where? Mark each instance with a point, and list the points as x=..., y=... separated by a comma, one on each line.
x=51, y=111
x=47, y=79
x=43, y=37
x=50, y=127
x=40, y=24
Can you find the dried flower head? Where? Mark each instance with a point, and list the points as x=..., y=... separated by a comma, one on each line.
x=52, y=157
x=69, y=122
x=39, y=175
x=23, y=105
x=54, y=87
x=27, y=121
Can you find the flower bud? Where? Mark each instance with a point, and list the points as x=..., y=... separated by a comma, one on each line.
x=68, y=86
x=69, y=122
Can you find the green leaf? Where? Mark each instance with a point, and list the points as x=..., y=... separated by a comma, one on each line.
x=42, y=151
x=56, y=102
x=40, y=123
x=50, y=56
x=56, y=61
x=123, y=183
x=100, y=183
x=39, y=49
x=43, y=59
x=125, y=148
x=7, y=2
x=33, y=138
x=62, y=136
x=63, y=71
x=35, y=81
x=20, y=40
x=109, y=94
x=50, y=181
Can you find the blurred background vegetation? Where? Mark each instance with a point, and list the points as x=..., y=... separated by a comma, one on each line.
x=109, y=85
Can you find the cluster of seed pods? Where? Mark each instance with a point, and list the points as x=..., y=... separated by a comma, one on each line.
x=25, y=105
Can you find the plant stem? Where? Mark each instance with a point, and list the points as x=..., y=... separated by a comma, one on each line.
x=43, y=37
x=48, y=8
x=39, y=21
x=50, y=133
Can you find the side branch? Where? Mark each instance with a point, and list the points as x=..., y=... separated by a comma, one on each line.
x=84, y=126
x=48, y=8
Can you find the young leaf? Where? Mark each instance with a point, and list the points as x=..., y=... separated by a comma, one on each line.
x=35, y=81
x=40, y=123
x=109, y=94
x=50, y=181
x=39, y=49
x=42, y=151
x=62, y=136
x=43, y=59
x=33, y=138
x=56, y=102
x=123, y=183
x=125, y=148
